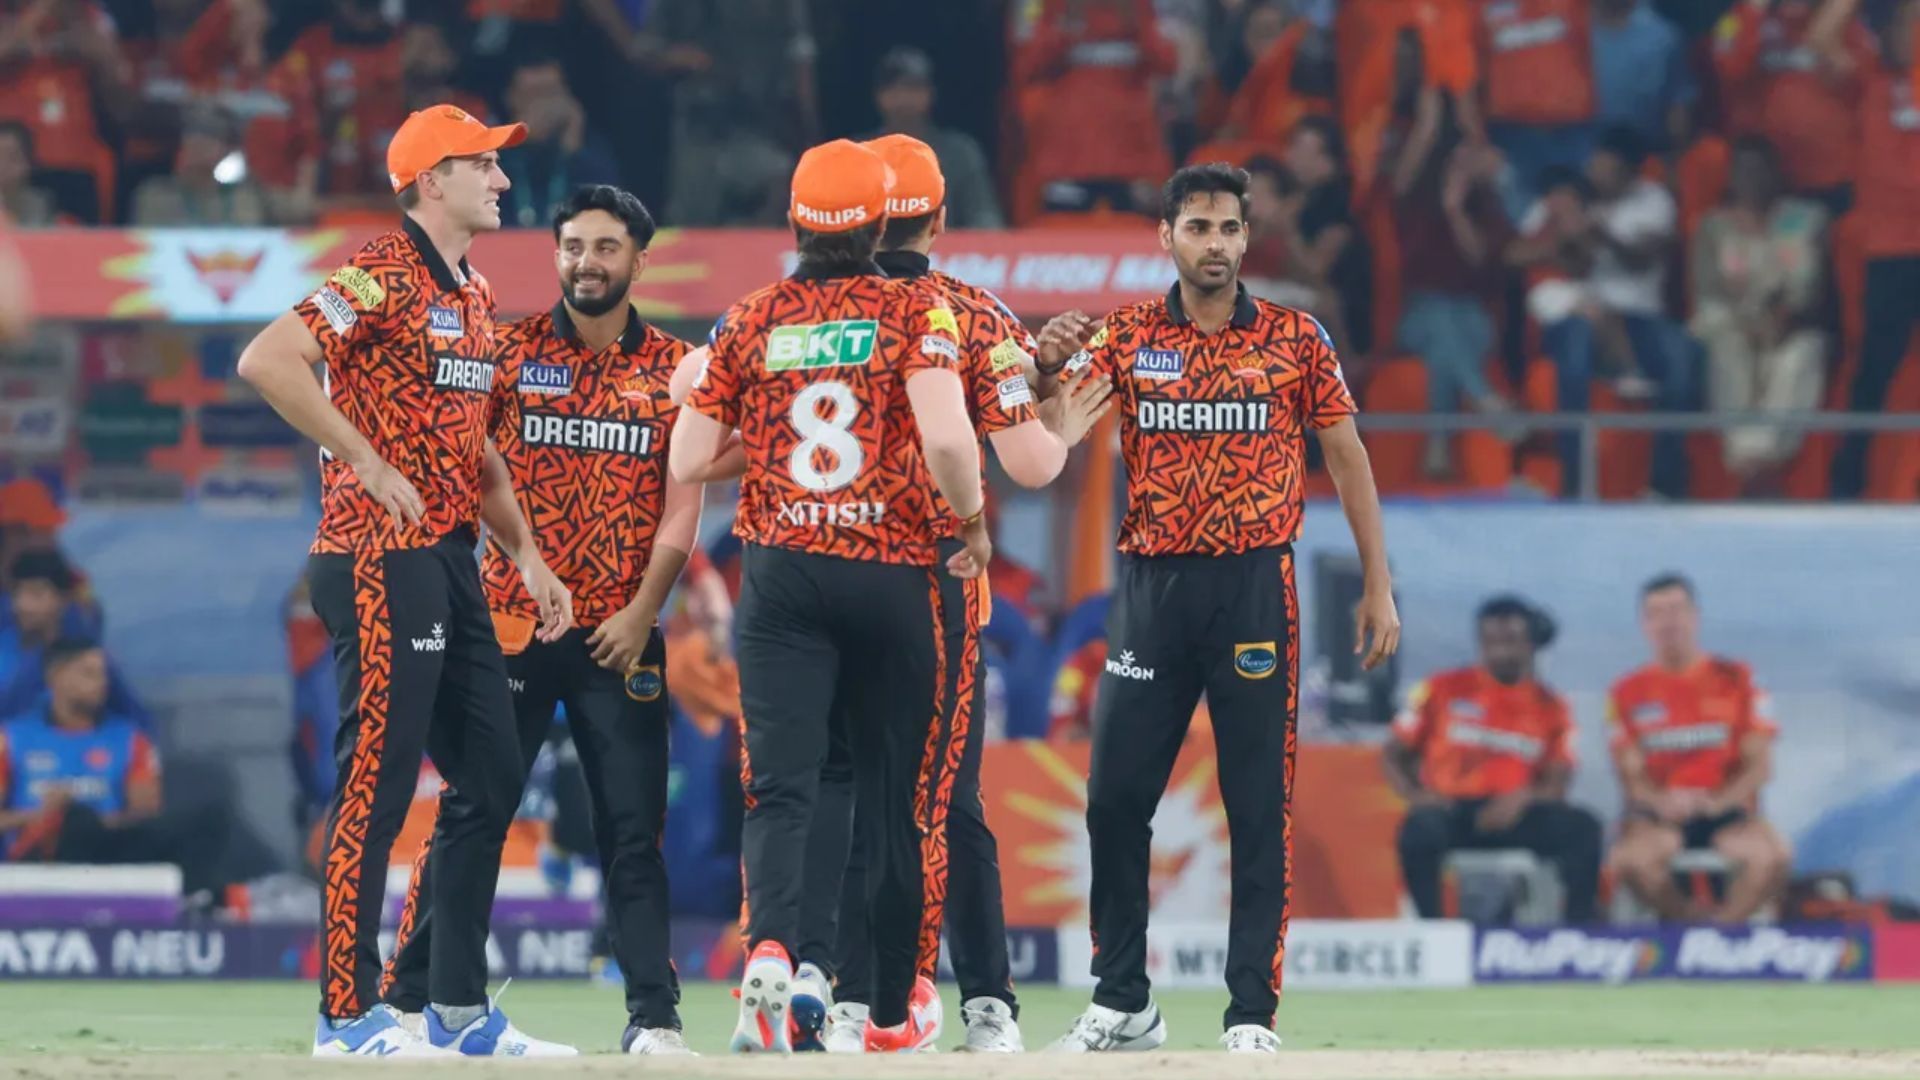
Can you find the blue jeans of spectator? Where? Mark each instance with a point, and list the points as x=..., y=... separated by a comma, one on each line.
x=1665, y=354
x=1453, y=334
x=1531, y=150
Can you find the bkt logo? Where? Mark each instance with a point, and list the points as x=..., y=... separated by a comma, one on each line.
x=847, y=343
x=802, y=514
x=1127, y=669
x=435, y=642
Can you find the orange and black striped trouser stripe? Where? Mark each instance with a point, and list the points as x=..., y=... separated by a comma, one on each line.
x=1291, y=598
x=959, y=604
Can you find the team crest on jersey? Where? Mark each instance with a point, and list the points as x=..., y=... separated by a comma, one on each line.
x=1159, y=363
x=546, y=379
x=645, y=683
x=443, y=321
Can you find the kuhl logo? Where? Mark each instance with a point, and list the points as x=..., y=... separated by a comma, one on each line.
x=1125, y=668
x=443, y=321
x=1158, y=363
x=1255, y=661
x=546, y=379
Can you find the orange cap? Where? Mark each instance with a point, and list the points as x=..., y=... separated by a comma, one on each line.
x=918, y=186
x=839, y=186
x=27, y=502
x=439, y=132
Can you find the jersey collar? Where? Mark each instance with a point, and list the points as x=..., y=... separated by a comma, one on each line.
x=803, y=272
x=631, y=338
x=447, y=279
x=1245, y=312
x=904, y=264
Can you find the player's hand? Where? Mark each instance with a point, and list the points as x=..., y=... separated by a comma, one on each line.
x=1063, y=336
x=1680, y=805
x=1376, y=620
x=1077, y=406
x=972, y=562
x=1503, y=812
x=391, y=489
x=555, y=602
x=620, y=642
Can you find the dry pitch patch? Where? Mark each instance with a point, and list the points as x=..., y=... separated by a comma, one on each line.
x=1190, y=1065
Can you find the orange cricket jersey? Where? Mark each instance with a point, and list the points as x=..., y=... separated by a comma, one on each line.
x=1537, y=58
x=1478, y=737
x=1689, y=724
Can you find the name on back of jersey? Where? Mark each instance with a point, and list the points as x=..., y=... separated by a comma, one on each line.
x=1204, y=417
x=587, y=433
x=842, y=514
x=842, y=343
x=460, y=373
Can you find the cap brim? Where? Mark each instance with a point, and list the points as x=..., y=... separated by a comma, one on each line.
x=496, y=138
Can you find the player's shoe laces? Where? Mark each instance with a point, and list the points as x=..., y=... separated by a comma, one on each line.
x=766, y=993
x=639, y=1040
x=1250, y=1039
x=491, y=1034
x=919, y=1031
x=377, y=1034
x=1101, y=1029
x=990, y=1027
x=812, y=998
x=846, y=1029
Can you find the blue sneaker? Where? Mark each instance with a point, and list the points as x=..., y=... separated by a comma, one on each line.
x=812, y=997
x=492, y=1035
x=377, y=1034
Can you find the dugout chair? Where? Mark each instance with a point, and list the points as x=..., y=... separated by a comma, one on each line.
x=1700, y=873
x=1504, y=885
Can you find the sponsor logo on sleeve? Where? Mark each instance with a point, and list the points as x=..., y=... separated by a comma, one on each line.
x=942, y=319
x=443, y=321
x=940, y=347
x=1015, y=392
x=364, y=287
x=335, y=309
x=1007, y=354
x=1256, y=660
x=1158, y=363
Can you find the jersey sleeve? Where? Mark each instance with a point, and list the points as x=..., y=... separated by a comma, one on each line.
x=1414, y=722
x=351, y=307
x=1620, y=729
x=998, y=348
x=929, y=329
x=1327, y=400
x=717, y=389
x=1756, y=709
x=1558, y=748
x=143, y=764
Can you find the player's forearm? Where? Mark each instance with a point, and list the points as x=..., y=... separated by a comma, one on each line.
x=1031, y=455
x=1402, y=770
x=1353, y=478
x=277, y=365
x=698, y=445
x=679, y=530
x=663, y=570
x=1745, y=784
x=500, y=510
x=1635, y=783
x=956, y=472
x=15, y=819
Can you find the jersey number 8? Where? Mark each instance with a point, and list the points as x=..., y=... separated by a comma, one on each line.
x=829, y=433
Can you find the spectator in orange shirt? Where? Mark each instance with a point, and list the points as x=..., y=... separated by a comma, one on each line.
x=60, y=70
x=1780, y=85
x=1693, y=740
x=1483, y=756
x=1537, y=60
x=353, y=60
x=1099, y=139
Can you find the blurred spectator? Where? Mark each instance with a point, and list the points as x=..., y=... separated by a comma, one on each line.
x=209, y=184
x=80, y=782
x=736, y=121
x=275, y=104
x=1759, y=277
x=352, y=61
x=40, y=592
x=155, y=36
x=1693, y=739
x=1886, y=191
x=903, y=92
x=1483, y=756
x=1453, y=230
x=1612, y=321
x=1099, y=139
x=559, y=155
x=427, y=66
x=1309, y=254
x=1537, y=60
x=1291, y=76
x=30, y=520
x=25, y=205
x=316, y=705
x=1776, y=83
x=1641, y=79
x=60, y=71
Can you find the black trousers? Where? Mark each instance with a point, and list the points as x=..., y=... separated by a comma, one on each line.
x=194, y=838
x=833, y=925
x=819, y=637
x=620, y=727
x=1181, y=625
x=1564, y=835
x=420, y=672
x=1890, y=316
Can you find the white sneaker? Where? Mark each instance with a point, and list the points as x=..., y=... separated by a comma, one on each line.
x=1250, y=1039
x=380, y=1033
x=766, y=993
x=990, y=1027
x=492, y=1035
x=846, y=1029
x=656, y=1041
x=1101, y=1029
x=812, y=1002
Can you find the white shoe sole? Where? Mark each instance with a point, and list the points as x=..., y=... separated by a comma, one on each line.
x=766, y=998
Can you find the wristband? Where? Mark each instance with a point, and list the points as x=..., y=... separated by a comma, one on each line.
x=977, y=515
